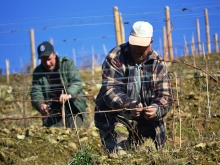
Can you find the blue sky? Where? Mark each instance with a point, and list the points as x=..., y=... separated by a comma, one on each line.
x=81, y=25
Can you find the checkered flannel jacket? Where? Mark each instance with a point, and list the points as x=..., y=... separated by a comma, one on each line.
x=117, y=83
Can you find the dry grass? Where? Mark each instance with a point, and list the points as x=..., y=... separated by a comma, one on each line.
x=200, y=140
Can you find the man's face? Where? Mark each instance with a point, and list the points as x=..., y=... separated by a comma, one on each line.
x=138, y=50
x=138, y=53
x=49, y=62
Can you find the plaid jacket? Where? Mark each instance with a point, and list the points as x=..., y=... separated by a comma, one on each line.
x=117, y=83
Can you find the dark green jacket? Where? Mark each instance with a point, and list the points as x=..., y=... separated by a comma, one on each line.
x=69, y=76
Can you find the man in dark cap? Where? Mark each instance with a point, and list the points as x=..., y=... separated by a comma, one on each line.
x=58, y=80
x=136, y=78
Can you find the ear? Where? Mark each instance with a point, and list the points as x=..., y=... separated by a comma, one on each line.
x=151, y=41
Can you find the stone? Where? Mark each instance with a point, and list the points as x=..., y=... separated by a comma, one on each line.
x=7, y=142
x=94, y=134
x=53, y=130
x=31, y=127
x=30, y=132
x=51, y=139
x=32, y=158
x=200, y=146
x=72, y=146
x=2, y=157
x=121, y=151
x=84, y=139
x=65, y=132
x=6, y=131
x=191, y=95
x=16, y=130
x=59, y=138
x=20, y=137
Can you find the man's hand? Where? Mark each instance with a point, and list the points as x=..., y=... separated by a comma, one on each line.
x=137, y=111
x=150, y=112
x=64, y=98
x=44, y=109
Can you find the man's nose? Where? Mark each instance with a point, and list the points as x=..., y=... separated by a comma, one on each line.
x=138, y=51
x=48, y=63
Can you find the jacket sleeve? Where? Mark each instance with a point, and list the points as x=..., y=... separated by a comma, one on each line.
x=71, y=77
x=114, y=86
x=163, y=96
x=36, y=91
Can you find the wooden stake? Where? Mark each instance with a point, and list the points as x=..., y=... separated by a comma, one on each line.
x=24, y=107
x=74, y=56
x=185, y=46
x=21, y=64
x=161, y=47
x=33, y=57
x=93, y=65
x=173, y=129
x=77, y=132
x=207, y=31
x=216, y=43
x=63, y=114
x=105, y=50
x=169, y=33
x=7, y=70
x=165, y=51
x=117, y=26
x=193, y=50
x=122, y=29
x=193, y=45
x=194, y=60
x=198, y=37
x=51, y=41
x=178, y=104
x=207, y=84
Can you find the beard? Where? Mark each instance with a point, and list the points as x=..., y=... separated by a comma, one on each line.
x=138, y=57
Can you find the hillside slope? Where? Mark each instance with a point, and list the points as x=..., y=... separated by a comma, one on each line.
x=192, y=124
